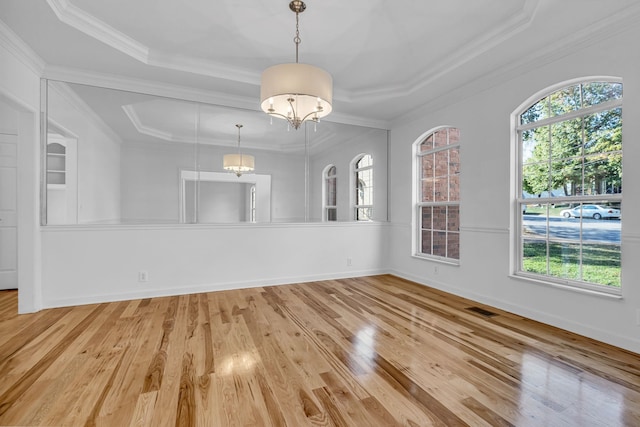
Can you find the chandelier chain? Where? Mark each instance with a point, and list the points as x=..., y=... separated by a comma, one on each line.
x=297, y=39
x=239, y=126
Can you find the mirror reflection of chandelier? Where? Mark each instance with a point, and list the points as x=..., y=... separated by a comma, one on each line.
x=296, y=92
x=238, y=163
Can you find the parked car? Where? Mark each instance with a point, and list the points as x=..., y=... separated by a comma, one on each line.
x=591, y=211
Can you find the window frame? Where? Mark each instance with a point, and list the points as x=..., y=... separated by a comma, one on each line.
x=418, y=203
x=252, y=203
x=355, y=171
x=326, y=178
x=519, y=201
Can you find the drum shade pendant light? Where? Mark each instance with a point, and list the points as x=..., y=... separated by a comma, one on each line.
x=238, y=163
x=293, y=91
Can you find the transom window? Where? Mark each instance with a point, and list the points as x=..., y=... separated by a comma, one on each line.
x=569, y=195
x=330, y=198
x=438, y=195
x=363, y=170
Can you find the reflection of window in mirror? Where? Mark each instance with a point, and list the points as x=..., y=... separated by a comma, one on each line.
x=330, y=209
x=363, y=171
x=123, y=149
x=252, y=204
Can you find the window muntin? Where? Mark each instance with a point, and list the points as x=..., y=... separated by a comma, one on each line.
x=570, y=159
x=438, y=198
x=363, y=209
x=330, y=199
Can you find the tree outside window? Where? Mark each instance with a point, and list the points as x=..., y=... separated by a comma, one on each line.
x=570, y=159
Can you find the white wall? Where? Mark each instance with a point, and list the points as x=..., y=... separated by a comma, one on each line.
x=483, y=274
x=223, y=202
x=372, y=141
x=8, y=119
x=84, y=265
x=151, y=176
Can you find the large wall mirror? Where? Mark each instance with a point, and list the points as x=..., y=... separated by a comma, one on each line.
x=119, y=157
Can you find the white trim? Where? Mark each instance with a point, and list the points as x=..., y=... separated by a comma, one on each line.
x=63, y=89
x=517, y=23
x=185, y=93
x=324, y=178
x=485, y=230
x=609, y=105
x=569, y=285
x=262, y=183
x=353, y=171
x=175, y=226
x=93, y=27
x=416, y=191
x=20, y=50
x=209, y=287
x=630, y=238
x=29, y=266
x=603, y=335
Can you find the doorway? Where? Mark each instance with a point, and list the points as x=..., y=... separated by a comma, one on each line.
x=8, y=197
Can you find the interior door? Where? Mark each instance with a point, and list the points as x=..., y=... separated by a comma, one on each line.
x=8, y=217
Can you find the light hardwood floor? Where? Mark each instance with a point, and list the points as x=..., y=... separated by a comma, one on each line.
x=371, y=351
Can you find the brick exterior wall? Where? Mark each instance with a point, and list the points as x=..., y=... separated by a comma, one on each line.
x=440, y=182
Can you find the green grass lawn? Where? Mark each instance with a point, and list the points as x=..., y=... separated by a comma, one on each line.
x=600, y=263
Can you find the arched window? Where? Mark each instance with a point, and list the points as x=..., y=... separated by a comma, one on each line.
x=329, y=199
x=363, y=179
x=252, y=204
x=438, y=195
x=569, y=185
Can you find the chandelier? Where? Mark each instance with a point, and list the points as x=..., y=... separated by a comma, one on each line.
x=293, y=91
x=238, y=163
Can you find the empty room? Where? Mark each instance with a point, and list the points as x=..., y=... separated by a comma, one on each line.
x=319, y=213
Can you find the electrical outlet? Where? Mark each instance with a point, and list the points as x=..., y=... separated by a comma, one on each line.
x=143, y=276
x=349, y=263
x=436, y=269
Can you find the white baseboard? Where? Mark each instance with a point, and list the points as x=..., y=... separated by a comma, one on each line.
x=206, y=287
x=605, y=336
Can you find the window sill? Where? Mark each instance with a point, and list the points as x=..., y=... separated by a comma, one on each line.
x=567, y=286
x=438, y=260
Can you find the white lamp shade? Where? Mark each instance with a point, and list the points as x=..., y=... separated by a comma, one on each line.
x=238, y=162
x=309, y=86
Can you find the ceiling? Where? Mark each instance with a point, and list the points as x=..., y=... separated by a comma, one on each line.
x=387, y=58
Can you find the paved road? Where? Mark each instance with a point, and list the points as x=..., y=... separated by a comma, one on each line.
x=607, y=231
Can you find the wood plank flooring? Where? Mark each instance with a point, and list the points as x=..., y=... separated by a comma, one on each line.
x=371, y=351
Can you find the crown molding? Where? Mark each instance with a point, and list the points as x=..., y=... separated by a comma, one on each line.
x=92, y=26
x=203, y=67
x=144, y=129
x=83, y=21
x=605, y=28
x=517, y=23
x=68, y=94
x=149, y=87
x=22, y=51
